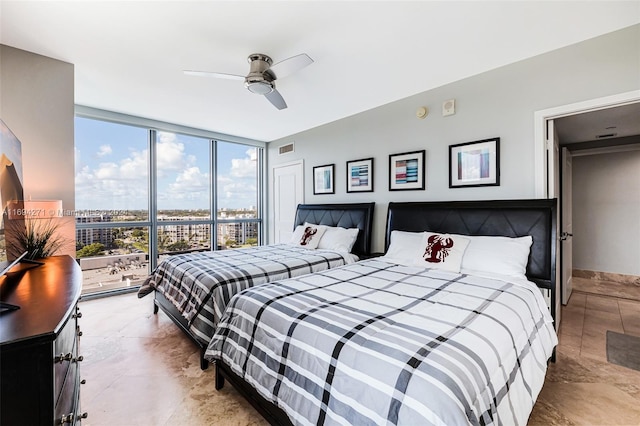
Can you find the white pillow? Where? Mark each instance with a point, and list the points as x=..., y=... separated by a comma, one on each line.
x=497, y=255
x=307, y=235
x=442, y=251
x=404, y=247
x=338, y=239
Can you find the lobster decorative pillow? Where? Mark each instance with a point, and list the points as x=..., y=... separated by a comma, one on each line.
x=307, y=235
x=442, y=251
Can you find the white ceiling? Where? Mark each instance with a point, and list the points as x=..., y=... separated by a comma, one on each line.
x=129, y=56
x=608, y=124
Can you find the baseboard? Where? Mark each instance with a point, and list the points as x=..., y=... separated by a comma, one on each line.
x=607, y=276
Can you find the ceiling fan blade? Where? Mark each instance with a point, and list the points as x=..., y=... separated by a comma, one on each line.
x=290, y=65
x=276, y=99
x=214, y=74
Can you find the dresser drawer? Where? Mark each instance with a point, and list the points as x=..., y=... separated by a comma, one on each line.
x=65, y=353
x=67, y=402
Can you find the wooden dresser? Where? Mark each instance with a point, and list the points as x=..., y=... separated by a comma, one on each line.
x=39, y=344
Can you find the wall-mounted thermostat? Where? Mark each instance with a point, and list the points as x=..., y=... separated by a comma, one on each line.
x=449, y=107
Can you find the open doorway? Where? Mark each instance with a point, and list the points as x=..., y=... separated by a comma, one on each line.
x=602, y=127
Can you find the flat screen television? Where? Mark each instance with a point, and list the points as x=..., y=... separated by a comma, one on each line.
x=11, y=198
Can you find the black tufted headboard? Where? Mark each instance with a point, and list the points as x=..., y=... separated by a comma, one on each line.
x=350, y=215
x=509, y=218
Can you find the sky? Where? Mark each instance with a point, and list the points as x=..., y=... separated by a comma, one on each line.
x=112, y=169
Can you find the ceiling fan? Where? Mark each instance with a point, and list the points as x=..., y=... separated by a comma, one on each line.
x=263, y=74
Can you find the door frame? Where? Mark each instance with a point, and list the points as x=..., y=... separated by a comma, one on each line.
x=544, y=158
x=541, y=117
x=566, y=223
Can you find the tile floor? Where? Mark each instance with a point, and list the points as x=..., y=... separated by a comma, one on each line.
x=141, y=370
x=581, y=387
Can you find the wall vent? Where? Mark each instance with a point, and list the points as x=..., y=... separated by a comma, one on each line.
x=608, y=135
x=285, y=149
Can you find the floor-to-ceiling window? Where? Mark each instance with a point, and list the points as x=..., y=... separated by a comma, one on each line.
x=144, y=192
x=112, y=203
x=237, y=196
x=183, y=176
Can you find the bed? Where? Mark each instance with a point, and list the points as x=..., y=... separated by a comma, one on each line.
x=387, y=341
x=194, y=288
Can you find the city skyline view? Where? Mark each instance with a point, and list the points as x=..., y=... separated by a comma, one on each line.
x=112, y=163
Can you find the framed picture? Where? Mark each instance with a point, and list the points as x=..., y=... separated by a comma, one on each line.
x=323, y=179
x=475, y=163
x=406, y=171
x=360, y=175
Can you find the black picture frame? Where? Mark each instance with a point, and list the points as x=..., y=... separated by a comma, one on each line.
x=323, y=179
x=474, y=163
x=407, y=171
x=360, y=175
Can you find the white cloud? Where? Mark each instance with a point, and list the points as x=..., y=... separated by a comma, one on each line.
x=107, y=171
x=238, y=188
x=191, y=184
x=111, y=184
x=183, y=183
x=245, y=167
x=104, y=150
x=99, y=189
x=136, y=166
x=236, y=192
x=170, y=154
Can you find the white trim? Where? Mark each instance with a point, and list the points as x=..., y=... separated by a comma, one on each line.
x=290, y=163
x=540, y=121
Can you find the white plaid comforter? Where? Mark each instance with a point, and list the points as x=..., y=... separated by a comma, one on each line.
x=201, y=284
x=375, y=343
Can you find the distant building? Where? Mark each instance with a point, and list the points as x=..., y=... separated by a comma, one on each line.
x=194, y=233
x=94, y=235
x=239, y=232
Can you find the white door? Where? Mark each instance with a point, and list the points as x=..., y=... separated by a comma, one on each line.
x=553, y=169
x=553, y=191
x=288, y=192
x=567, y=226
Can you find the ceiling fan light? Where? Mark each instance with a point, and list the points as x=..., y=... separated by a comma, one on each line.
x=259, y=87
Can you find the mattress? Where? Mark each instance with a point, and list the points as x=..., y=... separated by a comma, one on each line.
x=201, y=284
x=376, y=343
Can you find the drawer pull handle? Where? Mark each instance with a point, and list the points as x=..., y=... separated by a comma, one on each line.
x=64, y=357
x=78, y=315
x=79, y=359
x=83, y=416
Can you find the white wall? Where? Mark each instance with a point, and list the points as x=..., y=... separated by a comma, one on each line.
x=606, y=212
x=499, y=103
x=37, y=104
